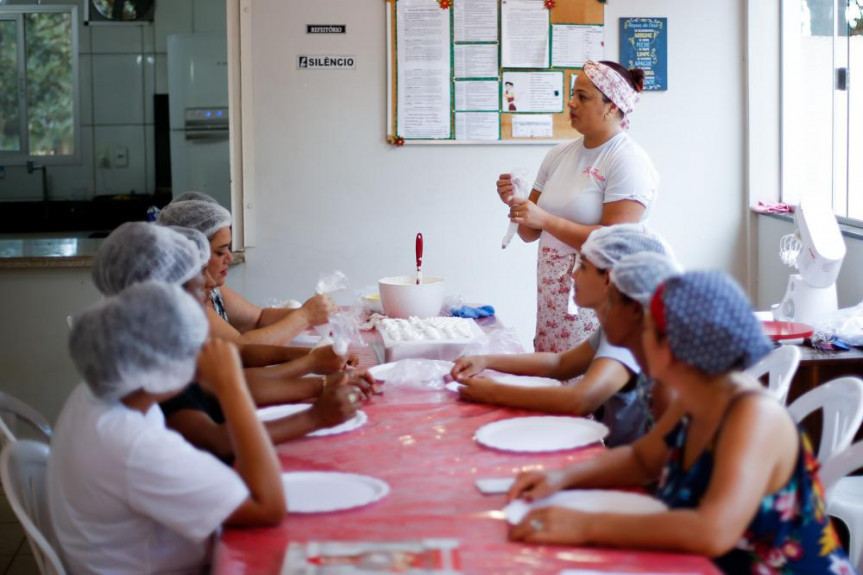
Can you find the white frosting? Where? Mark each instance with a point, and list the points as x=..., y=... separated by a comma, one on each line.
x=429, y=329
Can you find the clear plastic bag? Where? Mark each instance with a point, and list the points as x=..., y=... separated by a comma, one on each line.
x=419, y=373
x=520, y=182
x=496, y=341
x=846, y=324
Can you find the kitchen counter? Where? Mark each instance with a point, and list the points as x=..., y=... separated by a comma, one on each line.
x=29, y=253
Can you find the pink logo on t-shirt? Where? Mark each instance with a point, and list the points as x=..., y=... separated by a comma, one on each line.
x=594, y=173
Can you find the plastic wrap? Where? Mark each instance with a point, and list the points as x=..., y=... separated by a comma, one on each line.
x=846, y=324
x=494, y=342
x=430, y=374
x=521, y=184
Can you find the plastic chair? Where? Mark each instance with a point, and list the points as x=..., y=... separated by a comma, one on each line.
x=13, y=411
x=845, y=495
x=841, y=402
x=23, y=465
x=780, y=365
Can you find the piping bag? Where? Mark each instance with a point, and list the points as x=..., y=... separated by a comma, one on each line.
x=522, y=188
x=419, y=247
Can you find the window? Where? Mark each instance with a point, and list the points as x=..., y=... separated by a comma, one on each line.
x=822, y=104
x=38, y=83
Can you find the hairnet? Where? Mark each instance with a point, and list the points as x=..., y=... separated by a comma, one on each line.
x=605, y=246
x=206, y=217
x=186, y=196
x=138, y=251
x=637, y=276
x=197, y=238
x=146, y=337
x=709, y=322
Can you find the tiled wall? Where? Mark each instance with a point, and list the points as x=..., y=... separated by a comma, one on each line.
x=121, y=67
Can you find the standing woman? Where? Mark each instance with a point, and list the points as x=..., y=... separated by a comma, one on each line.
x=600, y=179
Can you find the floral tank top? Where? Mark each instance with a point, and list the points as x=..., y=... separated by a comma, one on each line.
x=790, y=534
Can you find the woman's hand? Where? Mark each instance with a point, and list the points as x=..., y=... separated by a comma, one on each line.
x=468, y=366
x=325, y=360
x=552, y=526
x=337, y=402
x=479, y=389
x=533, y=485
x=505, y=188
x=524, y=212
x=317, y=309
x=363, y=381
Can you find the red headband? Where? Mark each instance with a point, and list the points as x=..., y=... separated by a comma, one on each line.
x=657, y=308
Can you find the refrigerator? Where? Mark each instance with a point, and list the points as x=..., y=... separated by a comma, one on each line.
x=198, y=115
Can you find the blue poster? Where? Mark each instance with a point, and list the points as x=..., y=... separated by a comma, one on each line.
x=644, y=44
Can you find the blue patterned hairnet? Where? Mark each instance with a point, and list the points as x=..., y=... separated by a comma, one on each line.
x=206, y=217
x=605, y=246
x=137, y=251
x=710, y=323
x=637, y=276
x=146, y=337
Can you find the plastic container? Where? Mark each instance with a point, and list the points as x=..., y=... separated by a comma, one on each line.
x=402, y=297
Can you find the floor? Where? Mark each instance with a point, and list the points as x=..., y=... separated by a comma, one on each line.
x=15, y=555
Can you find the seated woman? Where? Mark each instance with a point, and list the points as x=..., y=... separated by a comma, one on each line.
x=612, y=387
x=125, y=494
x=231, y=316
x=738, y=477
x=632, y=281
x=136, y=252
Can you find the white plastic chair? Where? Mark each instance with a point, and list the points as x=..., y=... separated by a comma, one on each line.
x=841, y=402
x=23, y=465
x=780, y=365
x=14, y=411
x=845, y=495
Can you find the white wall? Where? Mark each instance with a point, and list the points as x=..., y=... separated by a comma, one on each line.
x=330, y=193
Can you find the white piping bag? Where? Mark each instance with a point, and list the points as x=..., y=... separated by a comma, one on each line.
x=522, y=188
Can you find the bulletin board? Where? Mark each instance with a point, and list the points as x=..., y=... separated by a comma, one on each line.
x=567, y=19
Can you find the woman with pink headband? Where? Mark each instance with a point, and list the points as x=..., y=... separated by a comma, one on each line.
x=599, y=179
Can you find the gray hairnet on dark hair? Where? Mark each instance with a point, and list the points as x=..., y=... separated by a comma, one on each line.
x=137, y=251
x=605, y=246
x=637, y=276
x=146, y=337
x=186, y=196
x=206, y=217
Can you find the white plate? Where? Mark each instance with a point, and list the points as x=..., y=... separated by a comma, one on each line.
x=494, y=485
x=540, y=433
x=321, y=491
x=589, y=501
x=510, y=379
x=278, y=411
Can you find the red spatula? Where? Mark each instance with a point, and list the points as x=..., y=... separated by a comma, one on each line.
x=419, y=259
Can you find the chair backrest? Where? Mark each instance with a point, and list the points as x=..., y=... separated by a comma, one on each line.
x=14, y=411
x=23, y=466
x=841, y=465
x=779, y=365
x=841, y=402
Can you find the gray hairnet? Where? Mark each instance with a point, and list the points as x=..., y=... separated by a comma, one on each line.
x=206, y=217
x=637, y=276
x=186, y=196
x=197, y=238
x=605, y=246
x=138, y=251
x=147, y=337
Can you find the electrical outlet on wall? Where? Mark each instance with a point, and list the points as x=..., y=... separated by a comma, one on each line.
x=120, y=156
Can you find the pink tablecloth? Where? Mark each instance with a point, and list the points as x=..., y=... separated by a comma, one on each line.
x=421, y=443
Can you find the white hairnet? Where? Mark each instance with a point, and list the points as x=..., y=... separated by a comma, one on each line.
x=206, y=217
x=197, y=238
x=637, y=276
x=138, y=251
x=186, y=196
x=605, y=246
x=146, y=337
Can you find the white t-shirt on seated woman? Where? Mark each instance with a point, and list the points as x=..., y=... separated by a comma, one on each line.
x=127, y=495
x=576, y=181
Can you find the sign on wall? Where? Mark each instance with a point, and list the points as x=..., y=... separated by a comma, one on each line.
x=644, y=44
x=326, y=28
x=326, y=62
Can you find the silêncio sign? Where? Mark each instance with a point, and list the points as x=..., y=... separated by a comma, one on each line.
x=326, y=28
x=326, y=63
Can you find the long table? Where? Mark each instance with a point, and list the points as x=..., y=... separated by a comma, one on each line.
x=421, y=443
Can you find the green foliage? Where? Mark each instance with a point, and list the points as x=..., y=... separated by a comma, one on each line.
x=9, y=118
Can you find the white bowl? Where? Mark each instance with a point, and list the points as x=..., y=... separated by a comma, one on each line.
x=402, y=297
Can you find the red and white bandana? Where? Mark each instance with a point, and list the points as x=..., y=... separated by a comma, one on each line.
x=615, y=87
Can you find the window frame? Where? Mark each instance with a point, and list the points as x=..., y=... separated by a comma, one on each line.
x=840, y=135
x=21, y=157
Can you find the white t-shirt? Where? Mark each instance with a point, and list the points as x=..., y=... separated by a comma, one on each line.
x=127, y=495
x=576, y=181
x=602, y=348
